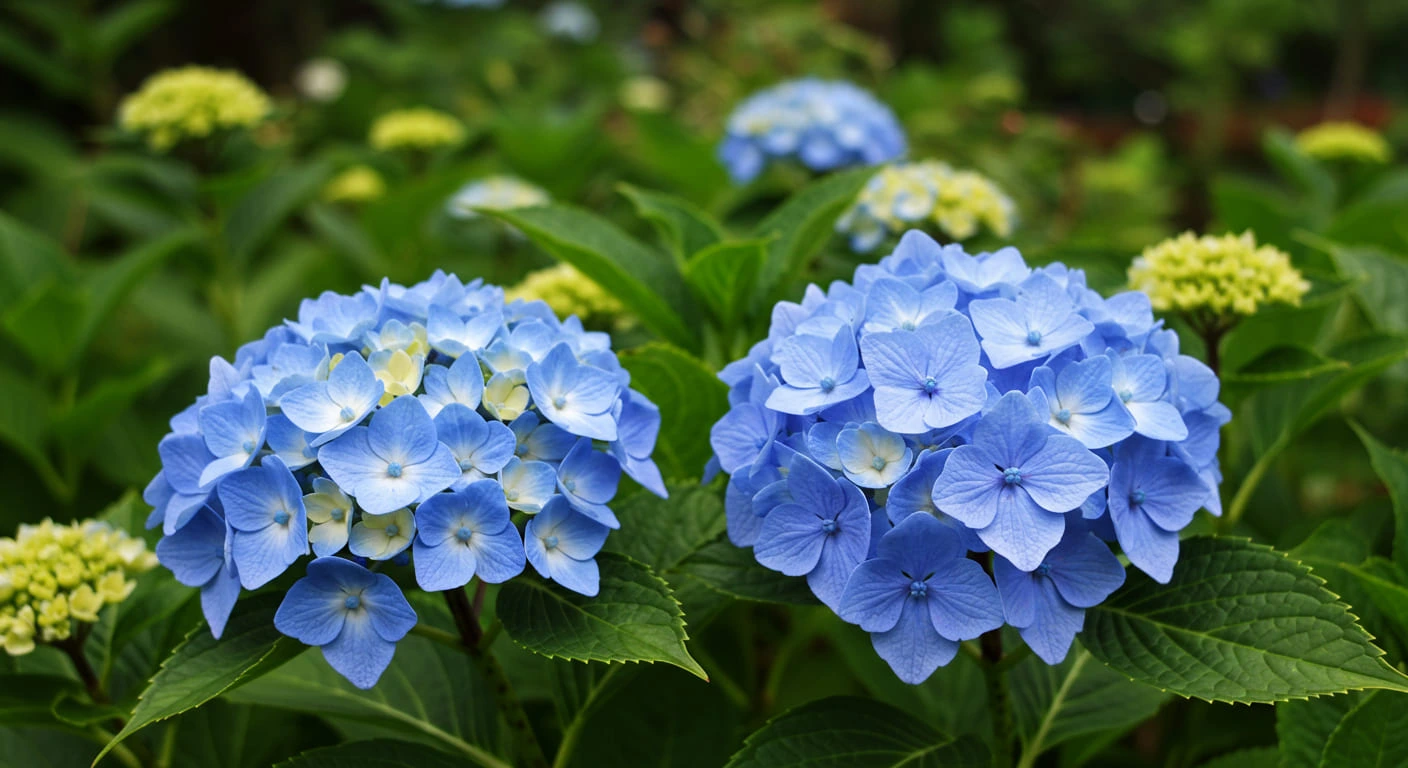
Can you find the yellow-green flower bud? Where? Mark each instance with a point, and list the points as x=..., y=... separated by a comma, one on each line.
x=568, y=292
x=1225, y=275
x=192, y=103
x=1343, y=141
x=906, y=195
x=418, y=128
x=357, y=184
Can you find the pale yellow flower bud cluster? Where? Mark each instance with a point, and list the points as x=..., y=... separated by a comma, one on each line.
x=420, y=128
x=357, y=184
x=1224, y=275
x=192, y=103
x=906, y=195
x=568, y=292
x=54, y=575
x=1343, y=141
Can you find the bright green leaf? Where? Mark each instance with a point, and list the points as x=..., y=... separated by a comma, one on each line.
x=732, y=570
x=662, y=532
x=1238, y=622
x=690, y=397
x=1285, y=363
x=1080, y=695
x=724, y=275
x=633, y=618
x=683, y=228
x=1374, y=733
x=1303, y=728
x=1392, y=467
x=804, y=223
x=1380, y=283
x=259, y=213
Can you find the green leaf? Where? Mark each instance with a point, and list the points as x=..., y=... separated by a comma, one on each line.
x=24, y=421
x=1392, y=467
x=724, y=276
x=690, y=397
x=647, y=283
x=1254, y=757
x=124, y=25
x=1380, y=283
x=1238, y=622
x=1078, y=696
x=856, y=733
x=1303, y=728
x=662, y=532
x=27, y=259
x=224, y=735
x=1384, y=583
x=1374, y=223
x=1285, y=363
x=1374, y=733
x=30, y=699
x=804, y=223
x=202, y=667
x=376, y=753
x=347, y=239
x=1312, y=178
x=732, y=570
x=1246, y=204
x=683, y=228
x=634, y=618
x=43, y=748
x=101, y=406
x=260, y=212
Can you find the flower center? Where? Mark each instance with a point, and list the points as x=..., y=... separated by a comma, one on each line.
x=352, y=602
x=309, y=452
x=570, y=485
x=521, y=450
x=463, y=533
x=346, y=413
x=281, y=517
x=878, y=463
x=393, y=469
x=828, y=384
x=248, y=446
x=907, y=325
x=1044, y=569
x=550, y=542
x=1136, y=498
x=1064, y=415
x=466, y=465
x=1033, y=338
x=828, y=526
x=559, y=402
x=930, y=386
x=1126, y=395
x=337, y=515
x=1012, y=476
x=392, y=530
x=511, y=495
x=918, y=589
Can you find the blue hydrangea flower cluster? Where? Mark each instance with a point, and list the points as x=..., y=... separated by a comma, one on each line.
x=942, y=405
x=823, y=124
x=399, y=426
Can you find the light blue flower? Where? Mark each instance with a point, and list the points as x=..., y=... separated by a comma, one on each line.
x=1047, y=605
x=528, y=485
x=382, y=537
x=562, y=543
x=234, y=432
x=574, y=396
x=453, y=336
x=330, y=408
x=822, y=533
x=1016, y=480
x=569, y=20
x=1082, y=403
x=1040, y=322
x=177, y=489
x=1140, y=382
x=335, y=319
x=817, y=372
x=289, y=443
x=588, y=480
x=465, y=534
x=928, y=378
x=355, y=616
x=537, y=440
x=289, y=366
x=637, y=428
x=481, y=448
x=462, y=382
x=1152, y=497
x=983, y=273
x=871, y=456
x=895, y=305
x=329, y=516
x=914, y=494
x=396, y=461
x=920, y=597
x=198, y=556
x=269, y=525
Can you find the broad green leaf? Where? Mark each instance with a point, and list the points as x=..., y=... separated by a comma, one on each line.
x=30, y=699
x=1286, y=363
x=1333, y=552
x=1392, y=467
x=856, y=733
x=36, y=146
x=683, y=228
x=1380, y=283
x=803, y=224
x=224, y=735
x=634, y=617
x=1254, y=757
x=1238, y=622
x=127, y=23
x=100, y=407
x=1080, y=695
x=347, y=238
x=732, y=570
x=1374, y=733
x=27, y=259
x=1241, y=204
x=690, y=397
x=43, y=748
x=376, y=753
x=662, y=149
x=21, y=56
x=260, y=212
x=24, y=419
x=1303, y=728
x=432, y=694
x=275, y=290
x=1373, y=223
x=644, y=280
x=1312, y=178
x=202, y=667
x=662, y=532
x=724, y=275
x=1384, y=583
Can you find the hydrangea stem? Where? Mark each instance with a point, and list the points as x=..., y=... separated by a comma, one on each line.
x=73, y=647
x=999, y=698
x=466, y=616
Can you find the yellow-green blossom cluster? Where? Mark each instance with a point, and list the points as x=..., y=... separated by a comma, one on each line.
x=192, y=103
x=419, y=128
x=1225, y=275
x=1343, y=141
x=54, y=575
x=905, y=195
x=357, y=184
x=568, y=292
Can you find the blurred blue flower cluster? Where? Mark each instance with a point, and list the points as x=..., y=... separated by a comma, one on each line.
x=944, y=404
x=823, y=124
x=399, y=425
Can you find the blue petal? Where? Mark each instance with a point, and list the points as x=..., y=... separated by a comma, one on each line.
x=402, y=431
x=217, y=599
x=874, y=595
x=311, y=612
x=1018, y=591
x=1084, y=570
x=195, y=553
x=1055, y=624
x=964, y=603
x=791, y=540
x=913, y=649
x=359, y=653
x=1022, y=531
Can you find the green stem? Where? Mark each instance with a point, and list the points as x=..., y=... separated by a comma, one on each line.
x=1245, y=491
x=1034, y=748
x=120, y=751
x=999, y=699
x=573, y=731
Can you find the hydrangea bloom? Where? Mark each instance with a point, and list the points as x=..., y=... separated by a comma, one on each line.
x=420, y=428
x=496, y=193
x=569, y=292
x=1344, y=141
x=904, y=195
x=357, y=184
x=54, y=576
x=1227, y=275
x=823, y=124
x=942, y=405
x=420, y=128
x=192, y=103
x=569, y=20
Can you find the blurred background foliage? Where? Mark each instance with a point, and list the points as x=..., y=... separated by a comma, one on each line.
x=1111, y=123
